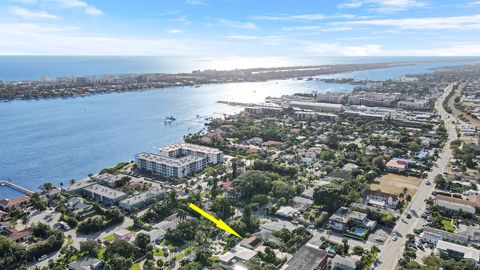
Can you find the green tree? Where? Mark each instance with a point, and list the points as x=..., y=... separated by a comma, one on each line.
x=90, y=247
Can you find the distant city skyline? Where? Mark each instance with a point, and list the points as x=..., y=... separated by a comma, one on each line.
x=240, y=28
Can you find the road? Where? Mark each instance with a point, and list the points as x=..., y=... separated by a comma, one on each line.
x=393, y=250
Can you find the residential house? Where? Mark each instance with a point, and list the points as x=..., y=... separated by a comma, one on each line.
x=395, y=165
x=287, y=212
x=380, y=199
x=7, y=203
x=86, y=263
x=344, y=218
x=21, y=236
x=343, y=263
x=236, y=258
x=122, y=234
x=141, y=200
x=301, y=203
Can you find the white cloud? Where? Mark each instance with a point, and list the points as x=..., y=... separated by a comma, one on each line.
x=237, y=24
x=241, y=37
x=174, y=31
x=316, y=28
x=196, y=2
x=342, y=50
x=385, y=6
x=31, y=15
x=37, y=39
x=78, y=4
x=306, y=17
x=435, y=23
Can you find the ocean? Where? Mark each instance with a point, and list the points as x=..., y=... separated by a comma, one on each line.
x=55, y=140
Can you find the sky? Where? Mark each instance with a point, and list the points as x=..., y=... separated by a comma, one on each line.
x=240, y=28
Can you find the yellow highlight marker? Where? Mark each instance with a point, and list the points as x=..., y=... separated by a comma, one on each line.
x=218, y=222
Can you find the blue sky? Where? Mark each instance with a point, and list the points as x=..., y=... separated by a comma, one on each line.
x=240, y=28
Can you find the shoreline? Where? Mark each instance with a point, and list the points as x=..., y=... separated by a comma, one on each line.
x=73, y=87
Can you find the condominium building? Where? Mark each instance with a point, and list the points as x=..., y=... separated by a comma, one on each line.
x=179, y=160
x=316, y=106
x=372, y=99
x=332, y=97
x=213, y=155
x=141, y=200
x=103, y=194
x=170, y=167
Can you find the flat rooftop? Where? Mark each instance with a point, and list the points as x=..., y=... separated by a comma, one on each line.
x=105, y=191
x=107, y=177
x=144, y=196
x=307, y=258
x=189, y=146
x=175, y=162
x=317, y=104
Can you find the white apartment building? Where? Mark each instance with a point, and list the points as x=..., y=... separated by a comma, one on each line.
x=316, y=106
x=179, y=160
x=213, y=155
x=372, y=99
x=331, y=97
x=414, y=105
x=170, y=167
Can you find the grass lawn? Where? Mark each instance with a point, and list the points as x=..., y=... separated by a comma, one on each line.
x=109, y=237
x=180, y=256
x=394, y=184
x=158, y=252
x=101, y=252
x=136, y=266
x=447, y=225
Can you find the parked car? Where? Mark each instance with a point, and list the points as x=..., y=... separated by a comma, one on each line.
x=42, y=258
x=428, y=183
x=394, y=238
x=379, y=239
x=409, y=216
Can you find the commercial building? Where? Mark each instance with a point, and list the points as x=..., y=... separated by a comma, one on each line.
x=316, y=106
x=141, y=200
x=432, y=236
x=309, y=257
x=459, y=252
x=455, y=204
x=103, y=194
x=107, y=179
x=179, y=160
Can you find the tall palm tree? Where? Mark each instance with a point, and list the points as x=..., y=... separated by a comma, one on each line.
x=182, y=214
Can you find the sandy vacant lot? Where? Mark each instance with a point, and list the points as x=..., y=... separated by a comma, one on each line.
x=394, y=184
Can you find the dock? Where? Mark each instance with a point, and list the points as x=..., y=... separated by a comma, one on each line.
x=15, y=186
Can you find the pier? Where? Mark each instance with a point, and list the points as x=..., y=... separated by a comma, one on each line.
x=15, y=186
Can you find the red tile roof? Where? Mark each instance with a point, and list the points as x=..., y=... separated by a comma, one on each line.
x=14, y=202
x=21, y=234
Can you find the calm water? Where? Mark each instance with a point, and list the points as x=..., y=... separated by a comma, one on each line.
x=59, y=139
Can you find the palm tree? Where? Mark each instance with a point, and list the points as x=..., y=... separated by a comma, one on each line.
x=182, y=214
x=25, y=219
